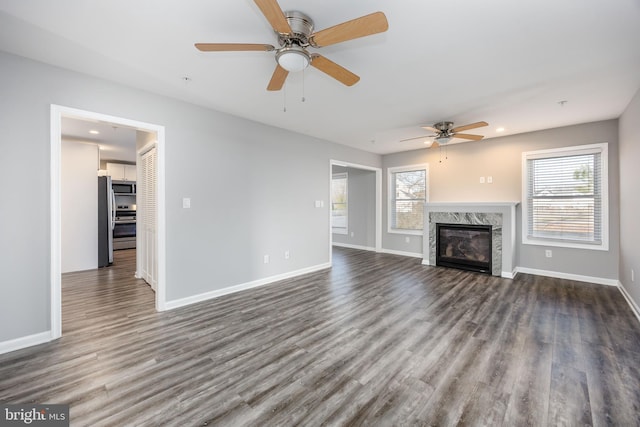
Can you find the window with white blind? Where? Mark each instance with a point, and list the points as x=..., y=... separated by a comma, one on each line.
x=565, y=197
x=339, y=203
x=407, y=196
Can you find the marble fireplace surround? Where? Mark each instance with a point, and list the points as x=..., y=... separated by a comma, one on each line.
x=500, y=215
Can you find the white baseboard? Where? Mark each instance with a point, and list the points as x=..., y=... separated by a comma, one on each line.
x=576, y=277
x=630, y=301
x=348, y=246
x=237, y=288
x=401, y=253
x=509, y=274
x=24, y=342
x=425, y=262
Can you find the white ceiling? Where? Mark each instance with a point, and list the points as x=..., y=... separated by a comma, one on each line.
x=507, y=62
x=116, y=142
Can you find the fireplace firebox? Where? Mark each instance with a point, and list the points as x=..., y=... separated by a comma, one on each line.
x=464, y=246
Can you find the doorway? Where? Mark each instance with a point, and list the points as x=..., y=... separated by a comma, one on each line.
x=370, y=206
x=57, y=115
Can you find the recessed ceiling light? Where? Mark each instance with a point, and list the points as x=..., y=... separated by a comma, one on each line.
x=94, y=132
x=500, y=129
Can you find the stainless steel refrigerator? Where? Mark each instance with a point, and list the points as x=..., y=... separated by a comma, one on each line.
x=106, y=221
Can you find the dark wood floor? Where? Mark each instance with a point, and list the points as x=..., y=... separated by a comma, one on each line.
x=377, y=340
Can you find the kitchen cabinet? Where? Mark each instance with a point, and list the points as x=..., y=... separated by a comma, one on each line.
x=121, y=171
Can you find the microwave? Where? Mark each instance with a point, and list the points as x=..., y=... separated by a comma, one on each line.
x=123, y=187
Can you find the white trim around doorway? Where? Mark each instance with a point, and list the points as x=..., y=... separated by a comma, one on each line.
x=57, y=112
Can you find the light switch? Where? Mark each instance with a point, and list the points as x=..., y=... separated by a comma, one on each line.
x=482, y=180
x=186, y=203
x=489, y=180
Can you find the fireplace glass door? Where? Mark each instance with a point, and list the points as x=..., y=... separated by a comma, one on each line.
x=464, y=246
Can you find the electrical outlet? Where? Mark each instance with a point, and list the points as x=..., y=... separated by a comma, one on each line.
x=482, y=180
x=286, y=254
x=352, y=234
x=186, y=203
x=489, y=180
x=548, y=253
x=265, y=259
x=407, y=239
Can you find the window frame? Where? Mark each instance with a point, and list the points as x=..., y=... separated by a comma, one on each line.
x=601, y=148
x=345, y=176
x=391, y=196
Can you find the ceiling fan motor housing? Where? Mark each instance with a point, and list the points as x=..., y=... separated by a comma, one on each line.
x=301, y=29
x=444, y=127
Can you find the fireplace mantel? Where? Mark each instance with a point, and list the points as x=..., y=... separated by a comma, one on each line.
x=502, y=215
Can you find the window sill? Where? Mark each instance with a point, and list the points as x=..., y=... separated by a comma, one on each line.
x=401, y=231
x=564, y=244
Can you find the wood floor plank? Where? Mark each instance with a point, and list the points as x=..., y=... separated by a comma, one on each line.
x=377, y=339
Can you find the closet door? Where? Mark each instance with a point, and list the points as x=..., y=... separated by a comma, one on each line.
x=147, y=218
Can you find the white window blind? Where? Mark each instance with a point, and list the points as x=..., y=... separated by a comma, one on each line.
x=408, y=190
x=339, y=203
x=565, y=196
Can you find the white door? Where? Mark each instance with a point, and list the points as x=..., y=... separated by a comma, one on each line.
x=147, y=217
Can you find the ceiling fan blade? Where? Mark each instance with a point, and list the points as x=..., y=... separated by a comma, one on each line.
x=469, y=126
x=274, y=14
x=430, y=128
x=336, y=71
x=364, y=26
x=278, y=78
x=417, y=137
x=233, y=47
x=468, y=136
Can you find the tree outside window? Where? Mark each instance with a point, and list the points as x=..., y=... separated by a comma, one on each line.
x=408, y=190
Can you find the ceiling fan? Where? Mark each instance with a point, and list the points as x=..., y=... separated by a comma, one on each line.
x=444, y=132
x=295, y=35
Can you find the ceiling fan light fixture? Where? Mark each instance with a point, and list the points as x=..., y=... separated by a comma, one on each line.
x=443, y=139
x=293, y=58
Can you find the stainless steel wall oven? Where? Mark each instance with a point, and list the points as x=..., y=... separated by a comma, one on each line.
x=124, y=230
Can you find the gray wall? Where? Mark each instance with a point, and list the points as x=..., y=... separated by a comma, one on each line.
x=79, y=206
x=361, y=205
x=630, y=198
x=252, y=190
x=456, y=179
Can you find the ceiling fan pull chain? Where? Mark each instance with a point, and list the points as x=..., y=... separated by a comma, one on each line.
x=303, y=99
x=284, y=98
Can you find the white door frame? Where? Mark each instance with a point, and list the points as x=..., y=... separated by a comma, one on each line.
x=378, y=172
x=57, y=112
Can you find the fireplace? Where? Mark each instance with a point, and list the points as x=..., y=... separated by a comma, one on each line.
x=464, y=246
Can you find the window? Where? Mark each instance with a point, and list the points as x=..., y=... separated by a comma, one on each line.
x=339, y=184
x=565, y=197
x=407, y=196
